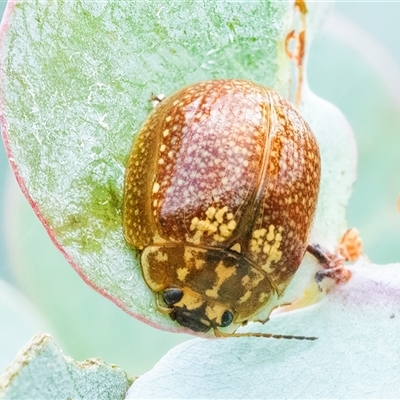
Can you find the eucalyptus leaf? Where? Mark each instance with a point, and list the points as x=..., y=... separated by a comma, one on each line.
x=77, y=77
x=83, y=323
x=41, y=371
x=355, y=355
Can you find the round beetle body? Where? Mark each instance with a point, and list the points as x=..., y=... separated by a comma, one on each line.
x=220, y=191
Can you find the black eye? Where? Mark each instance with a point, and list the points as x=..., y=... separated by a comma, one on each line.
x=227, y=318
x=172, y=296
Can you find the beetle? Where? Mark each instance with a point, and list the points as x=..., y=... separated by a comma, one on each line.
x=220, y=192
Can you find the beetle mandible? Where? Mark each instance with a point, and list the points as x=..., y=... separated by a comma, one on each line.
x=221, y=188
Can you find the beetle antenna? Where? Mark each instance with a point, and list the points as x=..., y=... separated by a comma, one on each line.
x=263, y=335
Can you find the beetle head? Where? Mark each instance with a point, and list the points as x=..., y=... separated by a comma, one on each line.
x=205, y=289
x=191, y=310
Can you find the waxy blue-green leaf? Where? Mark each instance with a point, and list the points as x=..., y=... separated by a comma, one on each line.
x=77, y=77
x=41, y=371
x=356, y=355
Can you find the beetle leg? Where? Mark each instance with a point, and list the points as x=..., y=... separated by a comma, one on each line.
x=338, y=274
x=156, y=99
x=333, y=264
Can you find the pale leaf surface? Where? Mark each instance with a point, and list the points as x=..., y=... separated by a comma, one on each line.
x=356, y=355
x=41, y=371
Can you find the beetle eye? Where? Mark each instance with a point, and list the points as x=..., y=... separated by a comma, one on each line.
x=227, y=318
x=172, y=296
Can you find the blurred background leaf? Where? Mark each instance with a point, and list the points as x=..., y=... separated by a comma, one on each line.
x=20, y=321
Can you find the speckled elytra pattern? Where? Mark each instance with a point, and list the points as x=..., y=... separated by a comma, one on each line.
x=220, y=193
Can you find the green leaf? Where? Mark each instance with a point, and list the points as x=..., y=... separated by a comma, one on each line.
x=76, y=81
x=82, y=322
x=41, y=371
x=77, y=78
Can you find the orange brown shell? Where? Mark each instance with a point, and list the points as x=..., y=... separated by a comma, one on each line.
x=223, y=166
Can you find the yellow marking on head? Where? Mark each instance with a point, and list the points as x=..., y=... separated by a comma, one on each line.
x=193, y=260
x=223, y=273
x=245, y=297
x=161, y=256
x=182, y=273
x=245, y=280
x=199, y=263
x=190, y=299
x=163, y=147
x=263, y=296
x=168, y=118
x=214, y=312
x=212, y=293
x=151, y=253
x=254, y=281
